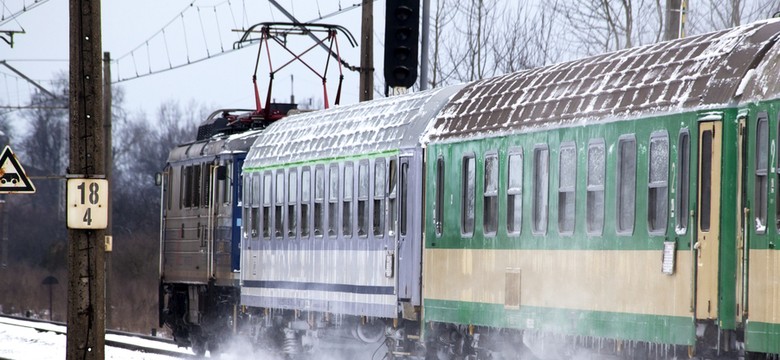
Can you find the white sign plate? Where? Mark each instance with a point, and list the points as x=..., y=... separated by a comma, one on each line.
x=87, y=203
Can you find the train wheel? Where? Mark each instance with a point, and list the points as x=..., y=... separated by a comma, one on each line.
x=370, y=331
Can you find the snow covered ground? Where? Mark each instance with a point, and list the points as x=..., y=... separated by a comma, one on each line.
x=19, y=342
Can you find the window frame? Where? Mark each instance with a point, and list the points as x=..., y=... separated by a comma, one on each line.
x=333, y=208
x=660, y=230
x=363, y=199
x=761, y=177
x=379, y=196
x=279, y=204
x=569, y=190
x=347, y=199
x=466, y=188
x=267, y=204
x=596, y=189
x=305, y=203
x=514, y=193
x=438, y=200
x=682, y=191
x=319, y=197
x=293, y=196
x=492, y=193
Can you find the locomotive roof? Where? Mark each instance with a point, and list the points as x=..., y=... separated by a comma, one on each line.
x=702, y=71
x=370, y=127
x=213, y=146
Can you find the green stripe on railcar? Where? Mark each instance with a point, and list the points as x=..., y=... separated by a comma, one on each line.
x=639, y=327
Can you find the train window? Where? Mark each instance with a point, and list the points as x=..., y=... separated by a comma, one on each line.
x=777, y=193
x=567, y=180
x=255, y=203
x=683, y=182
x=319, y=200
x=438, y=202
x=206, y=179
x=705, y=188
x=514, y=197
x=541, y=184
x=490, y=194
x=392, y=194
x=333, y=200
x=226, y=184
x=626, y=180
x=404, y=186
x=762, y=152
x=196, y=185
x=292, y=201
x=168, y=187
x=363, y=182
x=594, y=202
x=246, y=204
x=305, y=200
x=267, y=205
x=468, y=194
x=279, y=207
x=658, y=183
x=186, y=187
x=346, y=214
x=379, y=198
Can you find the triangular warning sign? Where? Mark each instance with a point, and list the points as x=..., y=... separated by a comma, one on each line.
x=13, y=179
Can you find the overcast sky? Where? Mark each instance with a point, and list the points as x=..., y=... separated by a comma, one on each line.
x=222, y=81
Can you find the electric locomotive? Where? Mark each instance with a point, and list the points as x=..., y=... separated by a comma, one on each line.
x=200, y=221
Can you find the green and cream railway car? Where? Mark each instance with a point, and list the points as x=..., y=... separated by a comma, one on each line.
x=626, y=201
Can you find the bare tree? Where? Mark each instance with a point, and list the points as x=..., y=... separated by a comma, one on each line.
x=711, y=15
x=598, y=26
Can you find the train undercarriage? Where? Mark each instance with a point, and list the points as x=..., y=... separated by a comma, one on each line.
x=202, y=317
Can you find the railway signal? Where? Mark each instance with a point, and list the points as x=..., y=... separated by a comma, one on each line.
x=401, y=33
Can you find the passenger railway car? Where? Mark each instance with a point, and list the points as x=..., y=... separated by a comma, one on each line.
x=199, y=240
x=333, y=223
x=625, y=201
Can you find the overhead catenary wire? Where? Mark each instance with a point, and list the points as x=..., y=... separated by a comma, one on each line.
x=210, y=50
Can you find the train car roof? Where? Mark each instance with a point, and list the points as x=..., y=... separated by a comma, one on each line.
x=218, y=144
x=697, y=72
x=369, y=127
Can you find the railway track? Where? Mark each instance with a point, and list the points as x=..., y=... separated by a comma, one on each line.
x=113, y=338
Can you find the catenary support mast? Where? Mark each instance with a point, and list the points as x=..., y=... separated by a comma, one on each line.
x=86, y=281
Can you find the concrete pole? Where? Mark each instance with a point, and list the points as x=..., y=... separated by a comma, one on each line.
x=367, y=52
x=86, y=247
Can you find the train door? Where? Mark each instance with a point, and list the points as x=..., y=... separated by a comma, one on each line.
x=409, y=223
x=708, y=219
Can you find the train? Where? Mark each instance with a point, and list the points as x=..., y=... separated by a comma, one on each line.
x=625, y=203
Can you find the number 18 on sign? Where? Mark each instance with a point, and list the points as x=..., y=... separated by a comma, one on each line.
x=87, y=203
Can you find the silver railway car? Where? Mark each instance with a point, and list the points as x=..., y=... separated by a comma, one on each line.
x=332, y=207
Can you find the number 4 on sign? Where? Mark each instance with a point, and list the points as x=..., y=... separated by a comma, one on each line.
x=87, y=203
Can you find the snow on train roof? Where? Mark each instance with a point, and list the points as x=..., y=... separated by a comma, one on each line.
x=697, y=72
x=218, y=144
x=369, y=127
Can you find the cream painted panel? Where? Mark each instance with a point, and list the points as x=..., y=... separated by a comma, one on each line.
x=598, y=280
